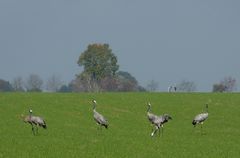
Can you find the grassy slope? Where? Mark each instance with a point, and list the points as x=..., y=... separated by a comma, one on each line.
x=73, y=133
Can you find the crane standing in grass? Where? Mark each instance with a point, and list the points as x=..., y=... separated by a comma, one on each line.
x=200, y=118
x=160, y=120
x=34, y=121
x=157, y=121
x=98, y=117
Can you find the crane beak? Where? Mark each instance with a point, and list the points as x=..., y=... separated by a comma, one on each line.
x=94, y=101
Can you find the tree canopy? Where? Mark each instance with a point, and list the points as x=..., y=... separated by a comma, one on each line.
x=5, y=86
x=228, y=84
x=98, y=61
x=101, y=72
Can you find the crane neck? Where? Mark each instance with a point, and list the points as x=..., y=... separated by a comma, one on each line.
x=149, y=108
x=206, y=110
x=94, y=106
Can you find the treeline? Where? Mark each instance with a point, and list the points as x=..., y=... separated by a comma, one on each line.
x=100, y=74
x=122, y=82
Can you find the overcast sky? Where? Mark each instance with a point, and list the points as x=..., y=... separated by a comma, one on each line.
x=164, y=40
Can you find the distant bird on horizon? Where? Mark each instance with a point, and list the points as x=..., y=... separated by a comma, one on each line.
x=34, y=121
x=98, y=117
x=200, y=118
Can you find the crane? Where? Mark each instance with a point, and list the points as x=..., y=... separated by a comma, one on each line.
x=34, y=121
x=98, y=117
x=200, y=118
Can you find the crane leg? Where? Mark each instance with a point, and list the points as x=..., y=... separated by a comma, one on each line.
x=162, y=129
x=154, y=131
x=98, y=126
x=33, y=131
x=193, y=129
x=201, y=129
x=152, y=128
x=37, y=129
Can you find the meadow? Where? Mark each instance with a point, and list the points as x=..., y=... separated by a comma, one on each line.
x=72, y=131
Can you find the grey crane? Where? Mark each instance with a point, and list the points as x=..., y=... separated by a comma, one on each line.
x=34, y=121
x=157, y=121
x=200, y=118
x=98, y=117
x=160, y=121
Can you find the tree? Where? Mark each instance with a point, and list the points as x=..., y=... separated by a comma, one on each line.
x=5, y=86
x=84, y=83
x=101, y=72
x=65, y=89
x=126, y=82
x=54, y=83
x=218, y=87
x=34, y=83
x=152, y=86
x=18, y=84
x=109, y=84
x=98, y=61
x=228, y=84
x=186, y=86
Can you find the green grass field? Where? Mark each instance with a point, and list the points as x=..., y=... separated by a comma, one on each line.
x=72, y=131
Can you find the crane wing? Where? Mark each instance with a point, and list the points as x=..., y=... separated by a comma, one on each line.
x=100, y=119
x=201, y=117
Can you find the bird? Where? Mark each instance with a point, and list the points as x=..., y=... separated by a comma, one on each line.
x=156, y=120
x=34, y=121
x=160, y=120
x=100, y=119
x=200, y=118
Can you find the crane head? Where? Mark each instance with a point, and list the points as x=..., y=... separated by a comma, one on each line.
x=30, y=111
x=206, y=107
x=94, y=101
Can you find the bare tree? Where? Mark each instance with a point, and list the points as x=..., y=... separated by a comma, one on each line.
x=34, y=83
x=18, y=84
x=218, y=87
x=186, y=86
x=152, y=86
x=228, y=84
x=54, y=83
x=109, y=84
x=84, y=83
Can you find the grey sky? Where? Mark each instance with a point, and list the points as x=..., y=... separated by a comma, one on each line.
x=164, y=40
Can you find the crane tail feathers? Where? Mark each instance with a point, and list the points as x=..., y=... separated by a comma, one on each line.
x=106, y=126
x=194, y=122
x=44, y=126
